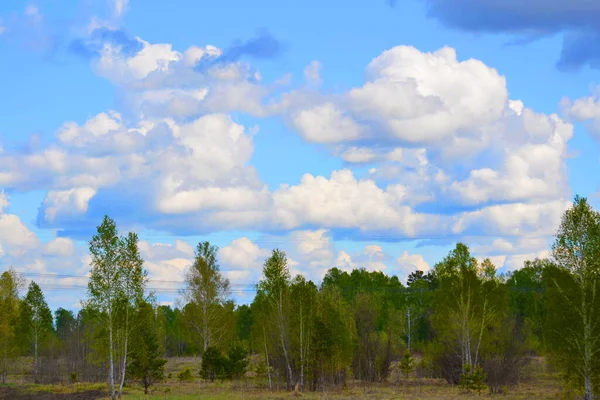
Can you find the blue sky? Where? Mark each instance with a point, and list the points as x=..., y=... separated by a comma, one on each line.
x=353, y=134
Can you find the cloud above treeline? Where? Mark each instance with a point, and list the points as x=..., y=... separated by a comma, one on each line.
x=448, y=154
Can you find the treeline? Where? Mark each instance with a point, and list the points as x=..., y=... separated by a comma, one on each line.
x=461, y=321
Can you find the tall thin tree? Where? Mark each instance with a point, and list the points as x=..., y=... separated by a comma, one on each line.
x=36, y=322
x=576, y=251
x=104, y=285
x=133, y=283
x=275, y=285
x=207, y=291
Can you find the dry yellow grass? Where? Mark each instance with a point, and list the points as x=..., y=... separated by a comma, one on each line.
x=540, y=383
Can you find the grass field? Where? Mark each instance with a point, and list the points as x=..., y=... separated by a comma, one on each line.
x=539, y=384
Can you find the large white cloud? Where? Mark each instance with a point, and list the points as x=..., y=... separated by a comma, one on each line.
x=434, y=129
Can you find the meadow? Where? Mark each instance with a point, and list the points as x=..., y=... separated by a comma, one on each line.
x=539, y=381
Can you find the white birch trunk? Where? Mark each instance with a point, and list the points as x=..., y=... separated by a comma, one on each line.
x=267, y=358
x=110, y=356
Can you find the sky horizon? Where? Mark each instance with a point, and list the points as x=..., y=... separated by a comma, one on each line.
x=353, y=134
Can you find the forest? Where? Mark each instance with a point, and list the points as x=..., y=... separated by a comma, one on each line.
x=460, y=322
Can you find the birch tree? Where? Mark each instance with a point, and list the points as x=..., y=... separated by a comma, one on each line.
x=303, y=296
x=576, y=282
x=275, y=286
x=468, y=302
x=133, y=279
x=36, y=322
x=104, y=286
x=206, y=293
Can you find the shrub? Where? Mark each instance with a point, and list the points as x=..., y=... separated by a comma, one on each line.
x=213, y=364
x=473, y=379
x=185, y=375
x=407, y=364
x=237, y=361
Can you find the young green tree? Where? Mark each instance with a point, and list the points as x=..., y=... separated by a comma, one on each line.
x=10, y=283
x=213, y=364
x=105, y=284
x=65, y=323
x=407, y=364
x=303, y=296
x=36, y=322
x=133, y=281
x=528, y=300
x=206, y=294
x=236, y=362
x=147, y=364
x=275, y=287
x=575, y=283
x=334, y=337
x=469, y=301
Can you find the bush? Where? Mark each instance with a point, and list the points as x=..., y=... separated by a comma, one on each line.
x=473, y=379
x=213, y=364
x=407, y=364
x=237, y=361
x=73, y=377
x=185, y=375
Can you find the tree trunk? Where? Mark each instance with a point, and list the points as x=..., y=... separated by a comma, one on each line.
x=110, y=356
x=281, y=329
x=587, y=351
x=409, y=329
x=267, y=357
x=301, y=350
x=124, y=364
x=205, y=325
x=35, y=360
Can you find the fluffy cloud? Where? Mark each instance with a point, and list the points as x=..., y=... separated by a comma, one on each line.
x=243, y=260
x=421, y=115
x=177, y=162
x=408, y=263
x=411, y=97
x=586, y=110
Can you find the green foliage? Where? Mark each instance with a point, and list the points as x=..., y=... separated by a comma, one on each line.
x=36, y=316
x=469, y=325
x=528, y=300
x=407, y=364
x=65, y=323
x=147, y=364
x=470, y=304
x=207, y=291
x=573, y=295
x=473, y=379
x=185, y=375
x=213, y=364
x=116, y=284
x=334, y=336
x=244, y=321
x=10, y=284
x=35, y=322
x=236, y=362
x=216, y=365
